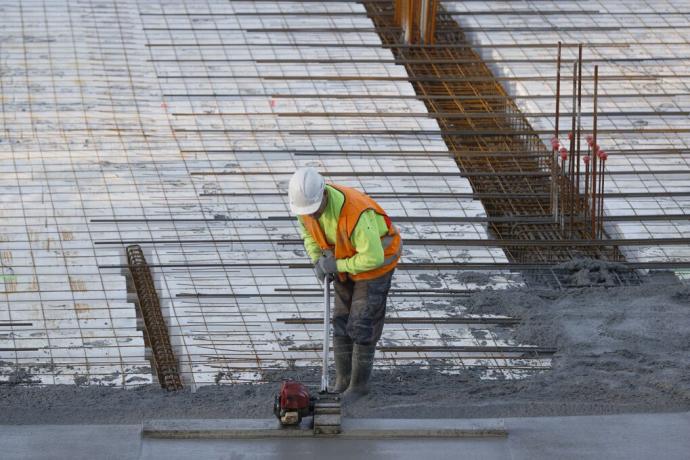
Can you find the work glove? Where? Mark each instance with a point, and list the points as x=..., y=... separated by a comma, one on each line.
x=326, y=265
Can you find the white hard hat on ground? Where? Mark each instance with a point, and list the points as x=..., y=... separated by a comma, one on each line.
x=306, y=191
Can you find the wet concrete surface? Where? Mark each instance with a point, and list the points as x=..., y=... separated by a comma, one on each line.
x=630, y=437
x=620, y=350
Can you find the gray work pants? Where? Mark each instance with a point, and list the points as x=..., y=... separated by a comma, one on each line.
x=360, y=308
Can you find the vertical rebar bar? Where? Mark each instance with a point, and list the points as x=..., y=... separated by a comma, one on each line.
x=562, y=181
x=600, y=191
x=579, y=114
x=602, y=176
x=594, y=148
x=572, y=159
x=554, y=176
x=586, y=159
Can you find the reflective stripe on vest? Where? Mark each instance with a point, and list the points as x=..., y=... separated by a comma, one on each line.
x=355, y=204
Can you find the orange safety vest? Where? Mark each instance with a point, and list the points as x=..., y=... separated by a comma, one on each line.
x=355, y=204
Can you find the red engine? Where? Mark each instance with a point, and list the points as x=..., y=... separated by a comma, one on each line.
x=292, y=403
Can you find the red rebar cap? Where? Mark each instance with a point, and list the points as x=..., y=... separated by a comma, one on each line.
x=570, y=136
x=586, y=159
x=554, y=143
x=590, y=139
x=564, y=153
x=603, y=155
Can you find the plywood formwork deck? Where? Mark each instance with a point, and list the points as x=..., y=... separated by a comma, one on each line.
x=111, y=124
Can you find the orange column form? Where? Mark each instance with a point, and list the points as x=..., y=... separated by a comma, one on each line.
x=397, y=13
x=408, y=20
x=417, y=18
x=432, y=25
x=427, y=23
x=417, y=35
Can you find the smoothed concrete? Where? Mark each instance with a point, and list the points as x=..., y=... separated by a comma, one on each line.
x=351, y=429
x=629, y=437
x=610, y=437
x=73, y=442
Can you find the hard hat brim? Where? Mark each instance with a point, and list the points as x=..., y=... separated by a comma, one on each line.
x=305, y=210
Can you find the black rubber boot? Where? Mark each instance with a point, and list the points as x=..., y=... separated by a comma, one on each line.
x=362, y=363
x=342, y=349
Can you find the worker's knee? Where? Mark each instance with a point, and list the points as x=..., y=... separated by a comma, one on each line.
x=365, y=324
x=368, y=310
x=340, y=324
x=364, y=331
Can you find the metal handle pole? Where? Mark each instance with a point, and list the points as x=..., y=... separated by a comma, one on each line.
x=555, y=180
x=326, y=331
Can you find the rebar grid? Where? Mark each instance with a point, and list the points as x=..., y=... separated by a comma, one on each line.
x=156, y=329
x=472, y=89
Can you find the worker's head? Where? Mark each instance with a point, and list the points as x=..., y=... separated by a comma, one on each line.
x=306, y=192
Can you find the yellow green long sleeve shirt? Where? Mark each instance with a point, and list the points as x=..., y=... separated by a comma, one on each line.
x=366, y=237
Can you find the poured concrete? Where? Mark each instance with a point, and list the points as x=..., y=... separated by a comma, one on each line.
x=629, y=437
x=620, y=350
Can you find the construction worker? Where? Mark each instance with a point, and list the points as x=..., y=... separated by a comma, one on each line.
x=348, y=236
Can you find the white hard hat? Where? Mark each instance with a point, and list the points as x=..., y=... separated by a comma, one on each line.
x=306, y=191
